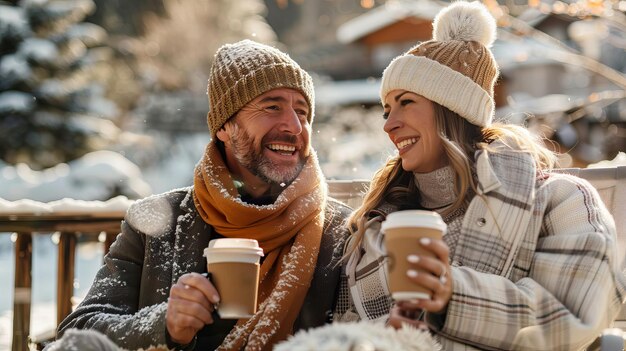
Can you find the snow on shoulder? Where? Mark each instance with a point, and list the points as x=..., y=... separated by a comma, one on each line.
x=151, y=216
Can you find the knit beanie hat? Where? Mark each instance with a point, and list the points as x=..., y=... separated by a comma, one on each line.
x=246, y=69
x=456, y=68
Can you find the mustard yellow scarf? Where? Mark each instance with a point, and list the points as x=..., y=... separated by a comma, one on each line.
x=289, y=231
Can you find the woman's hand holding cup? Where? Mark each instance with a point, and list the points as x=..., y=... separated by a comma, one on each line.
x=192, y=300
x=431, y=273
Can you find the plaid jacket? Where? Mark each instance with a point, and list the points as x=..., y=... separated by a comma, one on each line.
x=536, y=266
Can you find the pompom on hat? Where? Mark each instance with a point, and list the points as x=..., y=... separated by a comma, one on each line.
x=456, y=68
x=246, y=69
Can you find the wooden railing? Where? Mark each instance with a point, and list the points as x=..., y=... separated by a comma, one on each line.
x=69, y=228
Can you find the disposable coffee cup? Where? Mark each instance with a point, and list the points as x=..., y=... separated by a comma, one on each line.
x=402, y=232
x=234, y=268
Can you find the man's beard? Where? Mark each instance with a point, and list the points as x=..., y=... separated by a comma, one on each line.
x=251, y=157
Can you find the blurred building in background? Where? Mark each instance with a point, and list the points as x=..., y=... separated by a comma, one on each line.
x=562, y=63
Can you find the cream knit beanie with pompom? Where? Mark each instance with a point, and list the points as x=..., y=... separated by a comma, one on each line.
x=456, y=68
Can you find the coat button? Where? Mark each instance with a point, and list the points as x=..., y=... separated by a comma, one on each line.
x=329, y=316
x=481, y=222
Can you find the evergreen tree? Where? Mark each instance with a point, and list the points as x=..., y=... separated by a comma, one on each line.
x=52, y=108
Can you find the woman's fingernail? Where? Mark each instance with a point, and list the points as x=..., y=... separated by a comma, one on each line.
x=413, y=258
x=425, y=241
x=216, y=298
x=411, y=273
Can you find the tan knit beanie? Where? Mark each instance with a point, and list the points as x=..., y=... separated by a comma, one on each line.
x=246, y=69
x=456, y=68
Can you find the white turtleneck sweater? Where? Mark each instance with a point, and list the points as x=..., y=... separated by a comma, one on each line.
x=437, y=194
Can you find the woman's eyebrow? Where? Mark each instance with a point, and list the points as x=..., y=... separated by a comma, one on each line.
x=400, y=95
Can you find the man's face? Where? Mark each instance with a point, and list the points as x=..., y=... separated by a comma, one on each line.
x=270, y=136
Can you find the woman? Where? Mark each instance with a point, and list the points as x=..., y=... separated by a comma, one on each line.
x=529, y=258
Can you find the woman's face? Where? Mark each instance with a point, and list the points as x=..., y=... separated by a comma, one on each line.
x=411, y=127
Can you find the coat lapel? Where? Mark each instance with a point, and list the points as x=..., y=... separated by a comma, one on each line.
x=191, y=238
x=498, y=216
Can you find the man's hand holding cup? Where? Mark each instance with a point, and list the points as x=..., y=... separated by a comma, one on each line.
x=189, y=307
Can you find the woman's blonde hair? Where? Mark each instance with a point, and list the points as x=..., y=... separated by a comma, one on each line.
x=393, y=185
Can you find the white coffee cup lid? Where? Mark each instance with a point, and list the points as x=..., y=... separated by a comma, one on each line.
x=411, y=218
x=235, y=246
x=230, y=243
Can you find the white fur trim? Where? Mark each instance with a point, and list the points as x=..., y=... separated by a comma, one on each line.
x=466, y=21
x=440, y=84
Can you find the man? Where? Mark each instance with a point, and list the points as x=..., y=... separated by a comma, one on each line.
x=259, y=178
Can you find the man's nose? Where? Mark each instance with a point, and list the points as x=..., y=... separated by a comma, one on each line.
x=290, y=122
